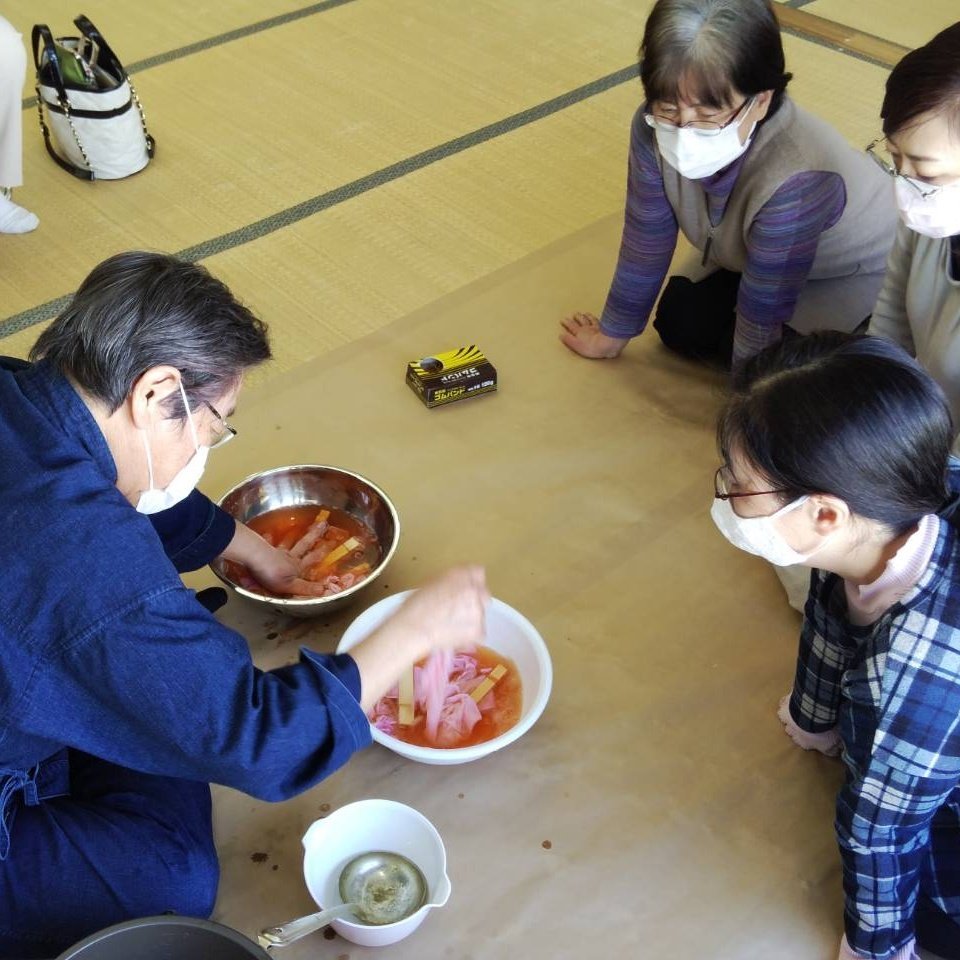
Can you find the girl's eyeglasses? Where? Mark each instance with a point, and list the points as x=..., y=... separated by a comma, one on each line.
x=721, y=489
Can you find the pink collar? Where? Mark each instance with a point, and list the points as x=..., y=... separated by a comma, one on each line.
x=903, y=571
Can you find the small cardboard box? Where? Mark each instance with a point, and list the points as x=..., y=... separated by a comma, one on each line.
x=453, y=375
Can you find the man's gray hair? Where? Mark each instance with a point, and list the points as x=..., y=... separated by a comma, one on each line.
x=139, y=310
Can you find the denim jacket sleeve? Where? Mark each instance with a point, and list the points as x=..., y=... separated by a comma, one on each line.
x=162, y=687
x=193, y=532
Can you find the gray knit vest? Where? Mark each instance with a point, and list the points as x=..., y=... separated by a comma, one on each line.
x=851, y=255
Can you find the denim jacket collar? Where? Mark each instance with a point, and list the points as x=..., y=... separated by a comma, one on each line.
x=52, y=394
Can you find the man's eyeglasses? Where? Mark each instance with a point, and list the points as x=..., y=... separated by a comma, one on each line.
x=721, y=488
x=225, y=432
x=878, y=152
x=710, y=128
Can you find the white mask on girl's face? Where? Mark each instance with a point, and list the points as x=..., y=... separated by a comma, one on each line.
x=936, y=216
x=759, y=535
x=695, y=154
x=183, y=484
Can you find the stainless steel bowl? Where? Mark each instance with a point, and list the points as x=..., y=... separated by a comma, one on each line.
x=314, y=484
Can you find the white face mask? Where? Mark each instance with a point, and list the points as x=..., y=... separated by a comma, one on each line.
x=759, y=535
x=695, y=154
x=184, y=483
x=936, y=216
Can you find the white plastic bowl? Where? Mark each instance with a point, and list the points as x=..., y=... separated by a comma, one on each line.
x=329, y=844
x=509, y=633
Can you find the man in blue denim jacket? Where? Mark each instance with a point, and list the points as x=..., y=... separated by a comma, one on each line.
x=121, y=697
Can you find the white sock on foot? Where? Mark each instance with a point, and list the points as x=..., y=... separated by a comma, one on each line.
x=14, y=219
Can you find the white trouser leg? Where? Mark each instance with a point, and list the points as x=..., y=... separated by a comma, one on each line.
x=13, y=66
x=796, y=583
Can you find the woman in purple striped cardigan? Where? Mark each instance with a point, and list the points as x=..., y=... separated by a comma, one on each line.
x=791, y=224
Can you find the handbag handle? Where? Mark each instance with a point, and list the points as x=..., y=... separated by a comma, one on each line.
x=42, y=42
x=86, y=27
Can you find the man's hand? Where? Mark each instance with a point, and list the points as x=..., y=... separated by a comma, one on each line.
x=274, y=569
x=447, y=613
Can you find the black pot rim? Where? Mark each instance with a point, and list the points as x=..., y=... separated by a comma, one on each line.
x=76, y=952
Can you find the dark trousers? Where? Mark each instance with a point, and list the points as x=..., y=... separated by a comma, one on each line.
x=119, y=845
x=936, y=931
x=698, y=320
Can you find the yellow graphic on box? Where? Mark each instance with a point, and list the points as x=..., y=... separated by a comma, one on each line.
x=447, y=362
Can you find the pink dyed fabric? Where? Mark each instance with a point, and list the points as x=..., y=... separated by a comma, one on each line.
x=433, y=688
x=442, y=701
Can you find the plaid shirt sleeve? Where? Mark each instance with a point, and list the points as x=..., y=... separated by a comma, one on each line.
x=883, y=827
x=901, y=747
x=825, y=654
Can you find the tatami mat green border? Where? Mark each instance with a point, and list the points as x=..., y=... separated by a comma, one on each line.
x=290, y=215
x=222, y=38
x=284, y=218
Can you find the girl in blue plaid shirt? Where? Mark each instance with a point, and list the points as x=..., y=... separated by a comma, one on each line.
x=836, y=455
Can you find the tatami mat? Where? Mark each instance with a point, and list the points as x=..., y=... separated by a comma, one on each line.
x=351, y=92
x=142, y=30
x=909, y=24
x=375, y=257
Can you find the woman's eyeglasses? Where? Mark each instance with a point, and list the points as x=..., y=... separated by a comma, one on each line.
x=877, y=151
x=710, y=128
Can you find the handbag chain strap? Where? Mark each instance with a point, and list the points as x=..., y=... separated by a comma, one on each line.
x=143, y=116
x=65, y=106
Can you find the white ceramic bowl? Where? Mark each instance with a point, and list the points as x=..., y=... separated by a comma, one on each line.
x=362, y=827
x=509, y=633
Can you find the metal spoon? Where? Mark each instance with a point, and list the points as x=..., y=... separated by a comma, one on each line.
x=377, y=888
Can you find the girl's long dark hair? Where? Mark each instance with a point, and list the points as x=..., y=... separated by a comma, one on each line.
x=843, y=414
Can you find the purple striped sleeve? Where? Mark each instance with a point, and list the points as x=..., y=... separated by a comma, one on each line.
x=649, y=239
x=782, y=246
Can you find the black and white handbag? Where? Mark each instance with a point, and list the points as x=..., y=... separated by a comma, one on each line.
x=90, y=116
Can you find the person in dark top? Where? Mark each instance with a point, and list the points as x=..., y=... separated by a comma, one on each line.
x=121, y=697
x=836, y=455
